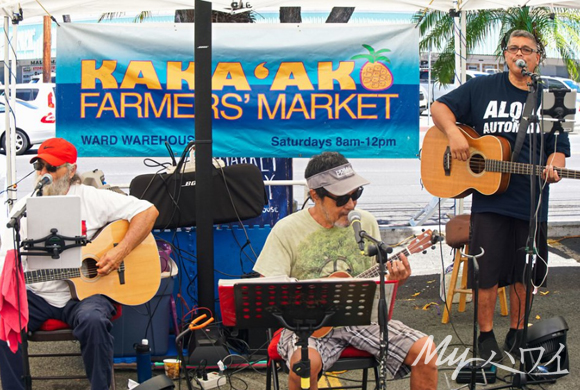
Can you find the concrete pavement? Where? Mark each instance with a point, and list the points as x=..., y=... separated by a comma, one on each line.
x=418, y=305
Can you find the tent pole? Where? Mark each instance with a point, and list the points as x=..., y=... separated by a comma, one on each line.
x=463, y=18
x=457, y=44
x=463, y=41
x=10, y=100
x=203, y=154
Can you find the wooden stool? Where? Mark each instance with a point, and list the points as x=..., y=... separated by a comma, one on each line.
x=457, y=237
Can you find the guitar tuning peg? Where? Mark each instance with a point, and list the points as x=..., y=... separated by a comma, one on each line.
x=433, y=247
x=424, y=252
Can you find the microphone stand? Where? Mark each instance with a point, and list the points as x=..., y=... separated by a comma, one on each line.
x=15, y=220
x=520, y=380
x=381, y=250
x=14, y=223
x=534, y=76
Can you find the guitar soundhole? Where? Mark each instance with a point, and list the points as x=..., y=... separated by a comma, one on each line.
x=477, y=163
x=89, y=268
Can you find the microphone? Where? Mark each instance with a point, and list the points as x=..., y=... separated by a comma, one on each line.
x=354, y=221
x=45, y=180
x=524, y=67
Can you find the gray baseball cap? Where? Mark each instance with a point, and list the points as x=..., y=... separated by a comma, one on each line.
x=338, y=180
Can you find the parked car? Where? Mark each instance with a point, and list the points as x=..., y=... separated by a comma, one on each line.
x=561, y=82
x=33, y=115
x=422, y=100
x=39, y=94
x=39, y=79
x=437, y=90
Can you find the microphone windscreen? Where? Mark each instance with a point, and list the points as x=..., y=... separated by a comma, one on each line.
x=46, y=178
x=521, y=63
x=353, y=215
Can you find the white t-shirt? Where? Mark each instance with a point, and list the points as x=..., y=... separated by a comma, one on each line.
x=98, y=208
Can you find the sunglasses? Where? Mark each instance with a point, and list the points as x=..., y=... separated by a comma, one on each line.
x=40, y=165
x=343, y=199
x=525, y=50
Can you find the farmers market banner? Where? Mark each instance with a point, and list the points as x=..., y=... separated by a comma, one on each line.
x=278, y=90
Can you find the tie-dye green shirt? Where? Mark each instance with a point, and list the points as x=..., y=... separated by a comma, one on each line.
x=300, y=247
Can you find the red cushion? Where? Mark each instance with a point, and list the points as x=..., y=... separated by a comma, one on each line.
x=348, y=352
x=54, y=324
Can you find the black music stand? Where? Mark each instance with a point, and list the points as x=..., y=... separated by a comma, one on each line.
x=304, y=307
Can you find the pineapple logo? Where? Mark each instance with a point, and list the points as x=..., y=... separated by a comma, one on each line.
x=374, y=75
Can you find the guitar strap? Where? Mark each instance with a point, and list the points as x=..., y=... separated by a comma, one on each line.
x=531, y=102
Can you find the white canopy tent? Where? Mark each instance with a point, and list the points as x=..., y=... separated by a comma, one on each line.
x=57, y=8
x=64, y=7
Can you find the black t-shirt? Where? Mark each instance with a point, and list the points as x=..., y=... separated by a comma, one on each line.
x=492, y=105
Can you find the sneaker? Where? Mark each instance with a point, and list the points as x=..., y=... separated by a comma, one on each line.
x=486, y=349
x=513, y=342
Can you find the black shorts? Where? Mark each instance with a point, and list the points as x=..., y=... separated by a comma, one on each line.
x=506, y=257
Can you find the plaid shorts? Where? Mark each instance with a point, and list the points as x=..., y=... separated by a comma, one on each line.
x=365, y=338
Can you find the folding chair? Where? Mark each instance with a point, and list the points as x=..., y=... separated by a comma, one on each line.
x=56, y=330
x=350, y=359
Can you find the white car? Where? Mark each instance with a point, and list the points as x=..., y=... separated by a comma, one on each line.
x=33, y=115
x=39, y=79
x=422, y=100
x=438, y=89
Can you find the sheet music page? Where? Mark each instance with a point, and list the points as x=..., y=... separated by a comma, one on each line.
x=338, y=279
x=265, y=279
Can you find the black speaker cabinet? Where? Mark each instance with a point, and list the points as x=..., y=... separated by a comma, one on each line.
x=207, y=347
x=546, y=353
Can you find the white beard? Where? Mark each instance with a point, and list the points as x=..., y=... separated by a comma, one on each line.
x=57, y=187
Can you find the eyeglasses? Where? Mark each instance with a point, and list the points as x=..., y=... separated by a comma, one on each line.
x=525, y=50
x=343, y=199
x=40, y=165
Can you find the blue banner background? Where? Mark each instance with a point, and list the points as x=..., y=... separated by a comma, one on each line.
x=254, y=57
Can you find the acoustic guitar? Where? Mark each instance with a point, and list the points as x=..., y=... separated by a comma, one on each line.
x=135, y=282
x=419, y=244
x=487, y=169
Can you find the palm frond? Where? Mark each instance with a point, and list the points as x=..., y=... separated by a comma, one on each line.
x=557, y=28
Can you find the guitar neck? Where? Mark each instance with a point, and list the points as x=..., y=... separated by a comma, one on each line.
x=373, y=272
x=49, y=275
x=526, y=169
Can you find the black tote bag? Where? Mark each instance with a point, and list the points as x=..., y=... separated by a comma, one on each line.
x=238, y=193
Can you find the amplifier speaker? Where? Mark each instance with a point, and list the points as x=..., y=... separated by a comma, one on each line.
x=546, y=353
x=207, y=347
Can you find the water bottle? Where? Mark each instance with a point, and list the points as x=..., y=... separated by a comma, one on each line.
x=143, y=361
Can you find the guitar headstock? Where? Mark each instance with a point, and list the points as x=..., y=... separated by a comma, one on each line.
x=422, y=242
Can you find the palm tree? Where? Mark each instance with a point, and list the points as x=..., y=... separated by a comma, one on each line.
x=557, y=28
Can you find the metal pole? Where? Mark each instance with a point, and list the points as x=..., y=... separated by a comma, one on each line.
x=463, y=42
x=457, y=45
x=203, y=154
x=430, y=88
x=10, y=101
